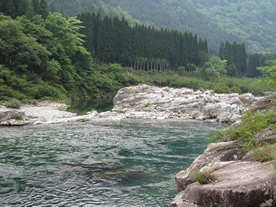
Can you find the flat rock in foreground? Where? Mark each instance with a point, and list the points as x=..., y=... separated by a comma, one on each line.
x=224, y=177
x=233, y=184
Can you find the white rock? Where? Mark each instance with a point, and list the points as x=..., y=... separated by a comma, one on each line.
x=180, y=103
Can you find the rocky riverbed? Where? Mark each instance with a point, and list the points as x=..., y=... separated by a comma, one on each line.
x=140, y=102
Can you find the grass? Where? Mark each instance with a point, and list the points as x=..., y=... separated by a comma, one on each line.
x=202, y=178
x=13, y=103
x=245, y=133
x=17, y=117
x=148, y=105
x=194, y=81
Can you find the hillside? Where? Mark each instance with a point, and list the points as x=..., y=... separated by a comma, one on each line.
x=250, y=21
x=75, y=7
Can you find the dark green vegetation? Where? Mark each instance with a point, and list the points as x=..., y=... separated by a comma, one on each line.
x=16, y=8
x=112, y=40
x=76, y=7
x=217, y=20
x=47, y=56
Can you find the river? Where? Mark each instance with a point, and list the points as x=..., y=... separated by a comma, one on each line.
x=119, y=164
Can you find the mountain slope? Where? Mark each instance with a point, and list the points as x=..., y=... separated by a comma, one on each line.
x=251, y=21
x=75, y=7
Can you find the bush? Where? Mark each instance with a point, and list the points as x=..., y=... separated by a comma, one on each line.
x=265, y=153
x=252, y=123
x=17, y=116
x=13, y=103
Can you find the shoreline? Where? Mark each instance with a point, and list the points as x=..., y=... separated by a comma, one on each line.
x=139, y=102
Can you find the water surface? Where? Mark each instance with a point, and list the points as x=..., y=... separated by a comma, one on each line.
x=123, y=164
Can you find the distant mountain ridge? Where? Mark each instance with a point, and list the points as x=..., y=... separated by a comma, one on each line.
x=251, y=21
x=76, y=7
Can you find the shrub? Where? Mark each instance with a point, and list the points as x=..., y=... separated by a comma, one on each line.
x=252, y=123
x=148, y=105
x=17, y=116
x=13, y=103
x=202, y=178
x=265, y=153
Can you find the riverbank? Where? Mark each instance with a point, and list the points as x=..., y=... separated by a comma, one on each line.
x=139, y=102
x=239, y=170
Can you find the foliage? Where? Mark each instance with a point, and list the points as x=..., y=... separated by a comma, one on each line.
x=29, y=8
x=113, y=40
x=13, y=103
x=252, y=123
x=213, y=68
x=202, y=178
x=43, y=58
x=250, y=21
x=236, y=57
x=270, y=74
x=254, y=62
x=265, y=153
x=17, y=116
x=76, y=7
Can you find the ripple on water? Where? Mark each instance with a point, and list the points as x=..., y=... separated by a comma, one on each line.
x=124, y=164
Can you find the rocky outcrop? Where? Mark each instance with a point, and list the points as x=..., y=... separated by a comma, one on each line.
x=220, y=177
x=152, y=102
x=233, y=184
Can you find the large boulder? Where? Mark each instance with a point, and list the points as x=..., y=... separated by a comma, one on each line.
x=221, y=176
x=180, y=103
x=234, y=184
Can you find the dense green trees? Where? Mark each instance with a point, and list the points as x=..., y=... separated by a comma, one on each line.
x=214, y=68
x=112, y=40
x=46, y=56
x=236, y=57
x=252, y=22
x=14, y=8
x=46, y=51
x=254, y=62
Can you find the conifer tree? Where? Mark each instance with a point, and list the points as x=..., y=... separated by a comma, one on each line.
x=43, y=8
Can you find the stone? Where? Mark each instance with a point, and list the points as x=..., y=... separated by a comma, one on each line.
x=13, y=118
x=264, y=104
x=146, y=102
x=180, y=103
x=224, y=151
x=237, y=183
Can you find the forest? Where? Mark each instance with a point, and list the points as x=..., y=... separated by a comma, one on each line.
x=214, y=20
x=85, y=60
x=113, y=40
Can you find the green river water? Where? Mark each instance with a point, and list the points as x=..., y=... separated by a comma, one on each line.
x=120, y=164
